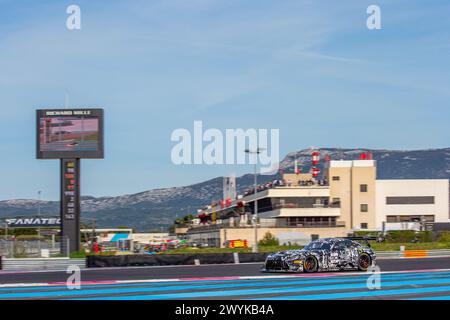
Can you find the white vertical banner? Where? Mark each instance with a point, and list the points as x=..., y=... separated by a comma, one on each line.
x=225, y=188
x=229, y=187
x=233, y=192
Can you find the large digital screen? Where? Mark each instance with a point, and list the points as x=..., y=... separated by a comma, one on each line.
x=69, y=133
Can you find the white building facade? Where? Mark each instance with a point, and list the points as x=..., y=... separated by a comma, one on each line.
x=401, y=203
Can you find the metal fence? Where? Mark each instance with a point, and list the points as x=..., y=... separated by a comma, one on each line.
x=33, y=264
x=34, y=248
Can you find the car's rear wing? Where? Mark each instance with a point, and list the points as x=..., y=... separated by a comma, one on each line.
x=364, y=239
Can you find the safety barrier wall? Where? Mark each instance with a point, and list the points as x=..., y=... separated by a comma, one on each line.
x=218, y=258
x=173, y=259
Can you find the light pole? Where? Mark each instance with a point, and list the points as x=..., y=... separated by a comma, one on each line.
x=255, y=214
x=6, y=231
x=39, y=215
x=93, y=228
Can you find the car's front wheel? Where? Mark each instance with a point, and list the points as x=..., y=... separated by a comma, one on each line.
x=310, y=264
x=364, y=262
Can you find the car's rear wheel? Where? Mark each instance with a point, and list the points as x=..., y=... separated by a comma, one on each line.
x=364, y=262
x=310, y=264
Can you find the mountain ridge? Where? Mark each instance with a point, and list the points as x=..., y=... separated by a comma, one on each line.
x=157, y=208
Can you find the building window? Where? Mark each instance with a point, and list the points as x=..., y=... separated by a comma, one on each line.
x=396, y=219
x=391, y=219
x=410, y=200
x=310, y=222
x=363, y=187
x=363, y=225
x=364, y=207
x=408, y=218
x=336, y=202
x=336, y=178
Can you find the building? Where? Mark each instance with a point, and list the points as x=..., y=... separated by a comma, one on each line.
x=301, y=207
x=352, y=183
x=406, y=203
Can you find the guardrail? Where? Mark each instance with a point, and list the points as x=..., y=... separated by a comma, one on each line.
x=412, y=254
x=32, y=264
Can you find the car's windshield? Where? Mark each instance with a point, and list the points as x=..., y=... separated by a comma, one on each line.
x=318, y=245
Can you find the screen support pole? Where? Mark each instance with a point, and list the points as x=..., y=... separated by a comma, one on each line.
x=70, y=205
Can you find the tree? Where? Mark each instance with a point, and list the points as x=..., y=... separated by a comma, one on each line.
x=184, y=220
x=268, y=240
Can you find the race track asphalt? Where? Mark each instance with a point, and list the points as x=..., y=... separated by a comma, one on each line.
x=176, y=272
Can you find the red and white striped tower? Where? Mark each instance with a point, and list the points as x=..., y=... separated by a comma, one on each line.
x=315, y=162
x=296, y=168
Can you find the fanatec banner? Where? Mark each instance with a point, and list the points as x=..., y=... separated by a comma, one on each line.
x=32, y=222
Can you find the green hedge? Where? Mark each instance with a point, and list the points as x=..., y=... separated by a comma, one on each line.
x=401, y=236
x=444, y=236
x=409, y=236
x=397, y=236
x=425, y=236
x=367, y=233
x=78, y=254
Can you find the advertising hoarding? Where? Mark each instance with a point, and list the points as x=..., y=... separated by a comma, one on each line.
x=33, y=222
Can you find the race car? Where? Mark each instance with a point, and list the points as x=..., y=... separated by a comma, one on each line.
x=328, y=254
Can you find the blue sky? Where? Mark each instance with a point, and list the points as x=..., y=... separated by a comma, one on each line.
x=309, y=68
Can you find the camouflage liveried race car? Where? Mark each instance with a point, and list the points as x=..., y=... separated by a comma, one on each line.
x=329, y=254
